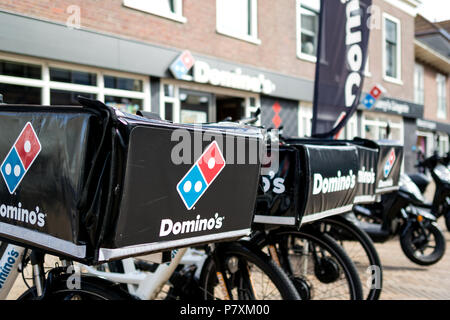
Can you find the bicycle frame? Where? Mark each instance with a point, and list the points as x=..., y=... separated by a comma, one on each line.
x=10, y=268
x=147, y=285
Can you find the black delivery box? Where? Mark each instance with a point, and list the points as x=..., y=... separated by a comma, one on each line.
x=312, y=181
x=299, y=191
x=380, y=165
x=93, y=184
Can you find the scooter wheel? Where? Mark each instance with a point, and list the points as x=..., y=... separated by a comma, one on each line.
x=447, y=220
x=423, y=246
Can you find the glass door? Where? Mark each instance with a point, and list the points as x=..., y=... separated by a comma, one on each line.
x=196, y=107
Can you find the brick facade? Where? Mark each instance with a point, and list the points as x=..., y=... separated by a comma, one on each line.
x=276, y=30
x=430, y=95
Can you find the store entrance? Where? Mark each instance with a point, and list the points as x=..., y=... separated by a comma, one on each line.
x=195, y=107
x=227, y=106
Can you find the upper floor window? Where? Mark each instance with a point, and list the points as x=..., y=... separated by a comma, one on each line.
x=418, y=84
x=171, y=9
x=391, y=42
x=307, y=28
x=238, y=19
x=441, y=96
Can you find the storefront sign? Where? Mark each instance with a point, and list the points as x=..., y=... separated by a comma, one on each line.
x=202, y=72
x=426, y=124
x=392, y=106
x=396, y=106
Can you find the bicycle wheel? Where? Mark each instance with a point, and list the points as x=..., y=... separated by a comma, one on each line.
x=316, y=264
x=360, y=249
x=90, y=288
x=248, y=273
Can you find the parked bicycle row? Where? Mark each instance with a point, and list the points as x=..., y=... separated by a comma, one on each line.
x=226, y=210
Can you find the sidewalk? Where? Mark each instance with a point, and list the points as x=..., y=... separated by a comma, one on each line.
x=405, y=280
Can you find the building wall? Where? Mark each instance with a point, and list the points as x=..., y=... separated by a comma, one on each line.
x=430, y=95
x=404, y=91
x=276, y=30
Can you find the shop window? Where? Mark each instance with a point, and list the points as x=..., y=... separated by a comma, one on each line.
x=441, y=96
x=307, y=28
x=194, y=107
x=425, y=143
x=171, y=9
x=391, y=43
x=124, y=104
x=168, y=111
x=14, y=94
x=169, y=103
x=238, y=19
x=25, y=84
x=169, y=90
x=123, y=83
x=16, y=69
x=67, y=98
x=72, y=76
x=382, y=127
x=443, y=145
x=418, y=84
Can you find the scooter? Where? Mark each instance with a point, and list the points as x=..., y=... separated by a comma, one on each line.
x=403, y=213
x=438, y=168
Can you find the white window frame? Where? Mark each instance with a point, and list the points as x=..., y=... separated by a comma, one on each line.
x=202, y=88
x=419, y=83
x=398, y=79
x=46, y=85
x=351, y=127
x=305, y=112
x=146, y=6
x=253, y=38
x=367, y=72
x=300, y=54
x=395, y=122
x=441, y=96
x=443, y=144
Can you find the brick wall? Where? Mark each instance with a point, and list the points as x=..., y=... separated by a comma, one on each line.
x=276, y=30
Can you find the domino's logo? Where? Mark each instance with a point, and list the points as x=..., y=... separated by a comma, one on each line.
x=201, y=175
x=20, y=158
x=372, y=97
x=181, y=66
x=389, y=163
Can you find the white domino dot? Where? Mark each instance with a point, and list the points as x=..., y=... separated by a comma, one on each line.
x=27, y=146
x=8, y=169
x=187, y=186
x=198, y=186
x=17, y=170
x=211, y=163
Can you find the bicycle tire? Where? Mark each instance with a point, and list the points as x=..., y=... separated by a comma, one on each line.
x=248, y=252
x=90, y=288
x=3, y=246
x=367, y=244
x=310, y=234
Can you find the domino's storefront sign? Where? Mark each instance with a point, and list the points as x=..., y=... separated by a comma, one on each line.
x=202, y=72
x=201, y=175
x=20, y=158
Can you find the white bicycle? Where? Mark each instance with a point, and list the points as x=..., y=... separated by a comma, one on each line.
x=225, y=271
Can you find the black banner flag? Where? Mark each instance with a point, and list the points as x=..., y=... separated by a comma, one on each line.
x=341, y=58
